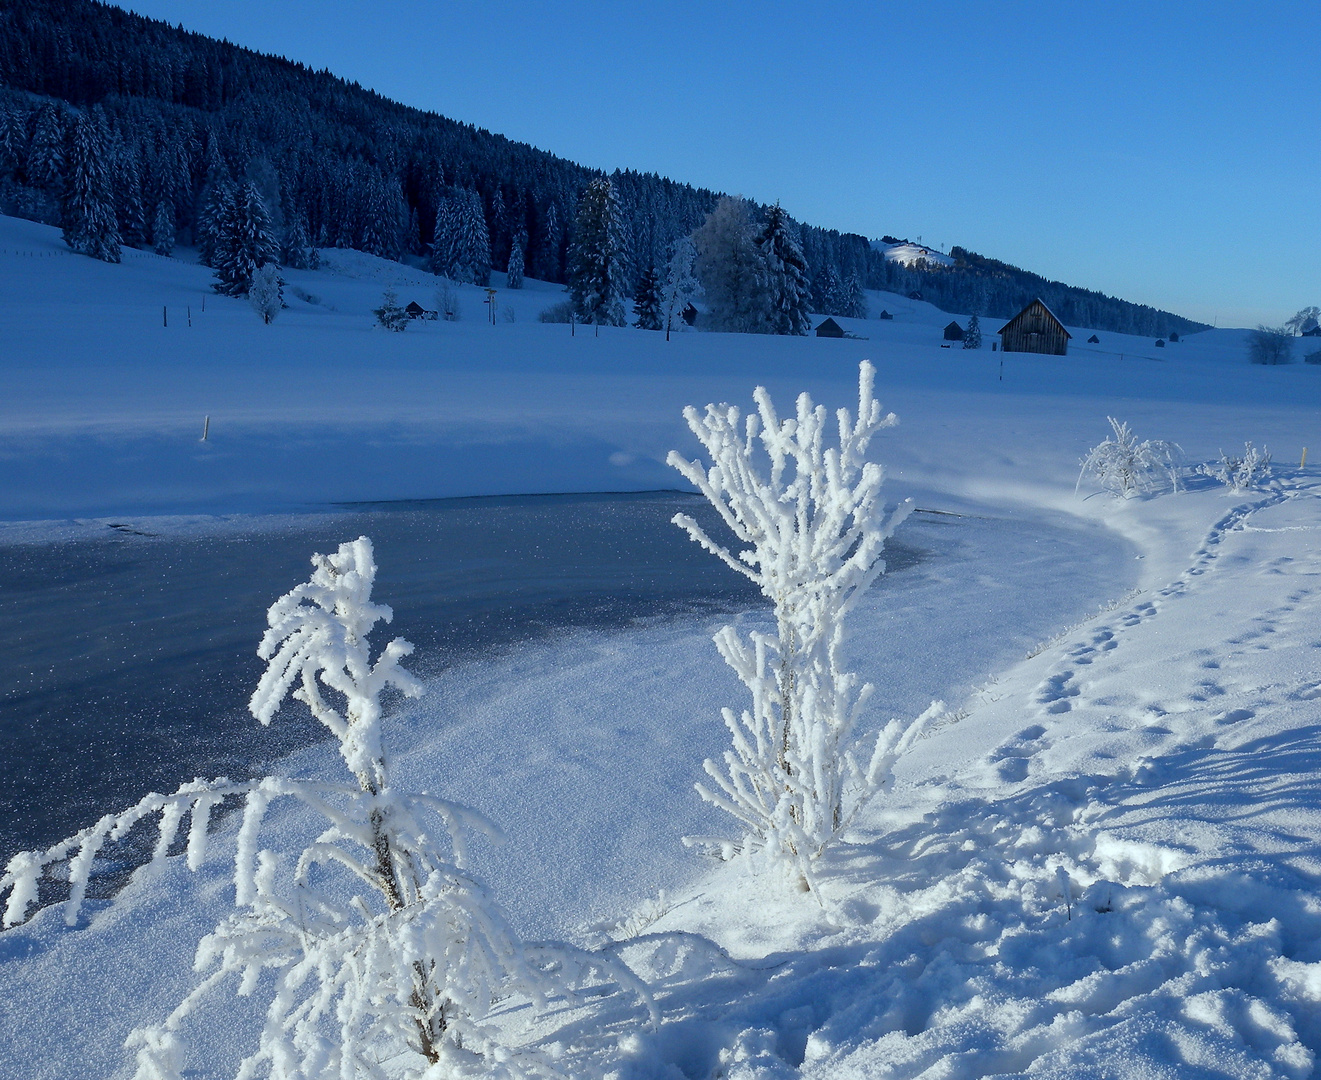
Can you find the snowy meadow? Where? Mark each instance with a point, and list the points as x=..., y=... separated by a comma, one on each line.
x=1097, y=858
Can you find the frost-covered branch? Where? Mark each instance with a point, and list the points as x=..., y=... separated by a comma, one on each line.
x=812, y=526
x=1241, y=474
x=379, y=942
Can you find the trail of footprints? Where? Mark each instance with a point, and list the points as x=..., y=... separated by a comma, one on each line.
x=1060, y=691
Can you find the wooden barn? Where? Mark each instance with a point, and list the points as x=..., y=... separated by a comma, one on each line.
x=1035, y=329
x=954, y=332
x=885, y=315
x=414, y=310
x=830, y=328
x=1093, y=340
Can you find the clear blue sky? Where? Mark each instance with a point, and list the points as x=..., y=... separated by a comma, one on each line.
x=1164, y=152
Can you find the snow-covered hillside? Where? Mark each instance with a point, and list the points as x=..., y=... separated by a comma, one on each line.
x=1102, y=862
x=909, y=254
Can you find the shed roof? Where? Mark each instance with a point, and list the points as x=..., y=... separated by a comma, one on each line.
x=1044, y=308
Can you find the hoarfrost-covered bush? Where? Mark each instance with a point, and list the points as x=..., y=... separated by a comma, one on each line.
x=563, y=312
x=813, y=525
x=1124, y=467
x=402, y=965
x=265, y=294
x=1241, y=474
x=447, y=301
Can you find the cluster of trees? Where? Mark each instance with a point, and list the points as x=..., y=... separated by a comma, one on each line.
x=174, y=115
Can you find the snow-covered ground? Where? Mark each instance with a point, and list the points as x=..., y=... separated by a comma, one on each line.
x=1103, y=863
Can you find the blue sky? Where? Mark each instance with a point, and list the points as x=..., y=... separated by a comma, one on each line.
x=1167, y=153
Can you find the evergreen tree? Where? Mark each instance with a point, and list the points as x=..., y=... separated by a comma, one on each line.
x=646, y=304
x=45, y=162
x=390, y=315
x=474, y=241
x=296, y=253
x=13, y=143
x=162, y=228
x=596, y=260
x=244, y=242
x=854, y=304
x=217, y=207
x=128, y=190
x=731, y=269
x=681, y=286
x=266, y=292
x=786, y=275
x=514, y=273
x=444, y=240
x=972, y=337
x=380, y=232
x=828, y=293
x=88, y=211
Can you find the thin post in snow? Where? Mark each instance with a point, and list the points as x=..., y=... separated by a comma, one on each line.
x=206, y=428
x=573, y=326
x=189, y=309
x=165, y=315
x=1303, y=464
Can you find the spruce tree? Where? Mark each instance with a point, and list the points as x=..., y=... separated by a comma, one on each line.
x=514, y=273
x=731, y=269
x=596, y=260
x=128, y=189
x=244, y=242
x=647, y=302
x=390, y=315
x=474, y=241
x=162, y=228
x=828, y=293
x=296, y=253
x=88, y=211
x=972, y=337
x=45, y=160
x=217, y=206
x=854, y=299
x=786, y=275
x=681, y=287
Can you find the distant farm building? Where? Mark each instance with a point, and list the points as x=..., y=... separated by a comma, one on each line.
x=1160, y=343
x=1174, y=335
x=830, y=328
x=915, y=295
x=954, y=332
x=885, y=315
x=1036, y=330
x=1311, y=328
x=414, y=310
x=1093, y=340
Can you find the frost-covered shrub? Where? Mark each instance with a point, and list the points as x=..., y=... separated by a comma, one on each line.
x=390, y=315
x=264, y=294
x=562, y=312
x=1243, y=473
x=447, y=301
x=1124, y=467
x=377, y=944
x=813, y=525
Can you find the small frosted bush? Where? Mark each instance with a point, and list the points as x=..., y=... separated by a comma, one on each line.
x=1125, y=467
x=1241, y=474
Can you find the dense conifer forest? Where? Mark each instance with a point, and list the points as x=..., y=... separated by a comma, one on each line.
x=101, y=108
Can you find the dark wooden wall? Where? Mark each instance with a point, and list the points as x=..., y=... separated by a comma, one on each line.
x=1036, y=330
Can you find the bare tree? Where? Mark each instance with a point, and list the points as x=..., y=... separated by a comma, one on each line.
x=1270, y=345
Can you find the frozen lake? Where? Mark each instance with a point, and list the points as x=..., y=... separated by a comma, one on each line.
x=127, y=658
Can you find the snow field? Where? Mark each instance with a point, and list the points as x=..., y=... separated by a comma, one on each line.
x=1104, y=864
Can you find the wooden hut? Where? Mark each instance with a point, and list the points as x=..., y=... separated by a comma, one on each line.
x=1035, y=329
x=830, y=328
x=954, y=332
x=414, y=310
x=885, y=315
x=1093, y=340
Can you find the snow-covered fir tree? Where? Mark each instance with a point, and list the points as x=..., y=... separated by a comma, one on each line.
x=731, y=269
x=162, y=228
x=381, y=218
x=88, y=210
x=514, y=270
x=828, y=292
x=295, y=251
x=129, y=209
x=681, y=286
x=597, y=256
x=266, y=292
x=461, y=247
x=786, y=275
x=854, y=304
x=390, y=315
x=972, y=337
x=647, y=301
x=244, y=241
x=217, y=205
x=45, y=157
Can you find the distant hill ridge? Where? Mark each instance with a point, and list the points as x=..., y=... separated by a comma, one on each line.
x=358, y=170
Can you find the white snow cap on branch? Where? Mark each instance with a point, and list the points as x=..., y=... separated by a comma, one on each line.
x=814, y=526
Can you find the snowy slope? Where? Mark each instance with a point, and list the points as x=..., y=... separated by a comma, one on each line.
x=909, y=253
x=1102, y=864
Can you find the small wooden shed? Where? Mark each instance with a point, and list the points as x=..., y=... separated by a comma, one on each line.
x=885, y=315
x=1035, y=330
x=414, y=310
x=830, y=328
x=954, y=332
x=1093, y=340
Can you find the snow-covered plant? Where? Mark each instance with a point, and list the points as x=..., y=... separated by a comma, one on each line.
x=390, y=315
x=379, y=943
x=1243, y=473
x=814, y=527
x=447, y=301
x=681, y=287
x=265, y=294
x=1125, y=467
